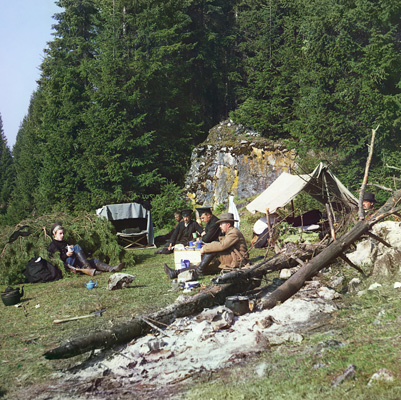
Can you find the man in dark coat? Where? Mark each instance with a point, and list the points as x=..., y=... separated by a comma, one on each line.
x=211, y=230
x=159, y=240
x=231, y=250
x=184, y=231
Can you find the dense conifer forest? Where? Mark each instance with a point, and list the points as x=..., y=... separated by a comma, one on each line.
x=128, y=87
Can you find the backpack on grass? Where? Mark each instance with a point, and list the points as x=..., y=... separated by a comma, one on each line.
x=40, y=270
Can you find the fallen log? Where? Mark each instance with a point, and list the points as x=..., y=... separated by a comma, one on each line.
x=229, y=284
x=124, y=333
x=240, y=281
x=291, y=256
x=329, y=254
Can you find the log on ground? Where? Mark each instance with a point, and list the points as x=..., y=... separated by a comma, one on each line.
x=124, y=333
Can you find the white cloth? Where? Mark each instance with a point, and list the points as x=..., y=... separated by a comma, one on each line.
x=232, y=208
x=261, y=224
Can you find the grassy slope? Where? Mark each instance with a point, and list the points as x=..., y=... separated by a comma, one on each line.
x=24, y=337
x=289, y=372
x=368, y=327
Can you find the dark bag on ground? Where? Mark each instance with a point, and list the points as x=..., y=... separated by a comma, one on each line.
x=40, y=270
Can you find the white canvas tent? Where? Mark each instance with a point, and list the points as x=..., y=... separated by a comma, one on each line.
x=321, y=184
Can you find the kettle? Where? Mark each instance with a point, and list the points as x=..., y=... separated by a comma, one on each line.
x=12, y=296
x=91, y=284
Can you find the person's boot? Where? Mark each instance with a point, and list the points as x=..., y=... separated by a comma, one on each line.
x=86, y=266
x=206, y=259
x=101, y=266
x=171, y=273
x=87, y=271
x=82, y=259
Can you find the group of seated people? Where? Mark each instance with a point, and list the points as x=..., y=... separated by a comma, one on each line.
x=223, y=245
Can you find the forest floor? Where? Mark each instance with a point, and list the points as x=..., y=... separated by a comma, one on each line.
x=364, y=332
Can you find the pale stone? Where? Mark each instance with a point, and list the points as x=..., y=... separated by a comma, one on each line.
x=285, y=273
x=186, y=276
x=261, y=369
x=119, y=281
x=388, y=263
x=354, y=285
x=390, y=231
x=374, y=286
x=243, y=169
x=365, y=253
x=336, y=281
x=397, y=285
x=285, y=337
x=382, y=375
x=328, y=294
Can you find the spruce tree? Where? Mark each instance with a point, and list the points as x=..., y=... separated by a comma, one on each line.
x=7, y=173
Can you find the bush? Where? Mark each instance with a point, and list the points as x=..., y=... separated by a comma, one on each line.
x=165, y=204
x=95, y=235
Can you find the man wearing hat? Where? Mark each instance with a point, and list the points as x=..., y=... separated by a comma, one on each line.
x=231, y=249
x=368, y=201
x=184, y=230
x=211, y=231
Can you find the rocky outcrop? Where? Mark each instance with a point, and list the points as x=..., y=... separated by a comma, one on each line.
x=234, y=161
x=376, y=258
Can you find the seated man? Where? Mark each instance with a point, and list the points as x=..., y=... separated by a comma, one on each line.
x=162, y=238
x=182, y=233
x=261, y=233
x=211, y=231
x=231, y=250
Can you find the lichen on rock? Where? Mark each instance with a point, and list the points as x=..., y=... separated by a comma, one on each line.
x=234, y=161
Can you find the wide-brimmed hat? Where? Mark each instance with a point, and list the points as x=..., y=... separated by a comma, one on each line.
x=368, y=196
x=202, y=210
x=186, y=213
x=227, y=217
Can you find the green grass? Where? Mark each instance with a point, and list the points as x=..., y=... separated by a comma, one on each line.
x=368, y=326
x=26, y=335
x=370, y=342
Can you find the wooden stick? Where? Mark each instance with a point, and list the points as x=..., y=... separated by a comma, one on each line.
x=59, y=321
x=268, y=227
x=381, y=187
x=329, y=216
x=154, y=326
x=351, y=264
x=298, y=260
x=379, y=239
x=361, y=213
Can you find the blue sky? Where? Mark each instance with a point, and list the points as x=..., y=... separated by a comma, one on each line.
x=25, y=28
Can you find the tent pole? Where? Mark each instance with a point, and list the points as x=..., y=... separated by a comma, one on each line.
x=329, y=216
x=328, y=197
x=269, y=227
x=293, y=208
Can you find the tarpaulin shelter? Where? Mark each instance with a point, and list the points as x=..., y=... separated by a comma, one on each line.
x=321, y=184
x=133, y=223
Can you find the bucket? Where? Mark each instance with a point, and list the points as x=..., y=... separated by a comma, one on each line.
x=11, y=296
x=239, y=305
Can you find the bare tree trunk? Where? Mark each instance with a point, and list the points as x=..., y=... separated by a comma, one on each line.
x=329, y=254
x=326, y=257
x=361, y=213
x=289, y=257
x=240, y=281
